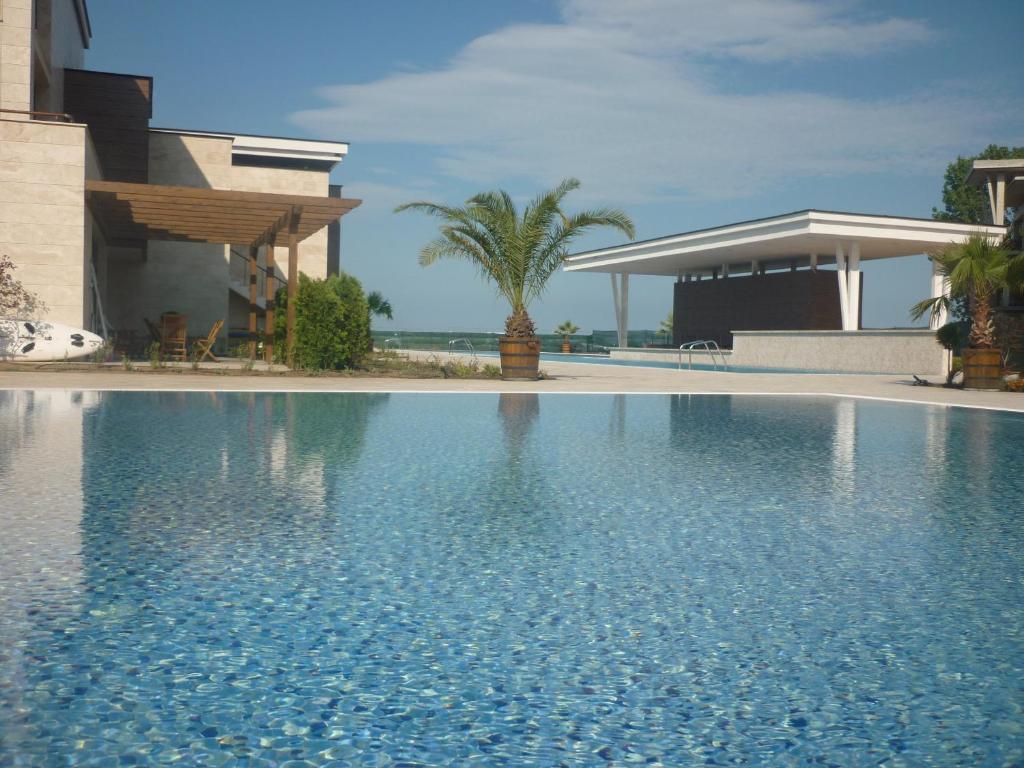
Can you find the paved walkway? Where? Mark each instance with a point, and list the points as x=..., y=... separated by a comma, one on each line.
x=566, y=377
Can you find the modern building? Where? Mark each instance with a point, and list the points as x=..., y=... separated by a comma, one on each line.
x=113, y=222
x=785, y=291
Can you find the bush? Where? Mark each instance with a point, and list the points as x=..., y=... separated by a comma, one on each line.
x=332, y=323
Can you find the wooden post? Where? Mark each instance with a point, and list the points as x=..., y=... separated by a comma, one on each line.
x=293, y=279
x=253, y=296
x=268, y=323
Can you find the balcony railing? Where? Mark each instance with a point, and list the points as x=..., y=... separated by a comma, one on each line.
x=53, y=117
x=238, y=271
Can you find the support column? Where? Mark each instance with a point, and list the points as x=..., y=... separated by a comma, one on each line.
x=940, y=287
x=1000, y=200
x=853, y=286
x=617, y=302
x=268, y=317
x=624, y=331
x=725, y=270
x=253, y=296
x=293, y=280
x=814, y=262
x=844, y=296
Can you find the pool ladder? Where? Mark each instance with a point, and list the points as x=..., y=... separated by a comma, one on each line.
x=392, y=340
x=708, y=345
x=453, y=343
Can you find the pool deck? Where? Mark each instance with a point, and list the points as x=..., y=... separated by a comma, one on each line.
x=565, y=377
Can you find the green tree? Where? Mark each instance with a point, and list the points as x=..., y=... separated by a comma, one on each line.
x=517, y=251
x=977, y=270
x=332, y=322
x=667, y=325
x=567, y=329
x=961, y=201
x=379, y=306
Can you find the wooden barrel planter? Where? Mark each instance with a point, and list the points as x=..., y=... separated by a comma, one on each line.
x=520, y=358
x=983, y=368
x=566, y=347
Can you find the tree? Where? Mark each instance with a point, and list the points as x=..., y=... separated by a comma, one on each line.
x=962, y=201
x=332, y=322
x=667, y=325
x=518, y=252
x=977, y=270
x=14, y=298
x=567, y=329
x=379, y=306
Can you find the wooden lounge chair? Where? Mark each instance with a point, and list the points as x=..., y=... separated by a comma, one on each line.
x=203, y=348
x=173, y=337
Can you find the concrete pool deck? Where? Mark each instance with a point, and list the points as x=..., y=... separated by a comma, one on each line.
x=566, y=377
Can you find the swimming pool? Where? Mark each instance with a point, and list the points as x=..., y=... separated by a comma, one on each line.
x=411, y=579
x=558, y=357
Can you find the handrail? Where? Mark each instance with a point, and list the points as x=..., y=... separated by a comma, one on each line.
x=467, y=342
x=33, y=113
x=709, y=345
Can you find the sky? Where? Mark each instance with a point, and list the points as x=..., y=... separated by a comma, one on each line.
x=685, y=113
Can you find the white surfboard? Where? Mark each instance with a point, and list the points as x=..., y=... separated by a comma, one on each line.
x=41, y=341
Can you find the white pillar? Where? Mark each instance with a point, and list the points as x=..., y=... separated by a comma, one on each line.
x=844, y=296
x=1000, y=200
x=618, y=307
x=940, y=287
x=624, y=332
x=853, y=286
x=725, y=270
x=754, y=266
x=814, y=262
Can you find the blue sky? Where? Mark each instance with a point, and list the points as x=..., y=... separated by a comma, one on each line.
x=686, y=113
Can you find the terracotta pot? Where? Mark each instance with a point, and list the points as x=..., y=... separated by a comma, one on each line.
x=520, y=358
x=983, y=368
x=566, y=347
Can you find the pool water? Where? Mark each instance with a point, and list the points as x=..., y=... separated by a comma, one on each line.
x=556, y=580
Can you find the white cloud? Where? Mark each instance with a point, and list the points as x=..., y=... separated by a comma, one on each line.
x=621, y=95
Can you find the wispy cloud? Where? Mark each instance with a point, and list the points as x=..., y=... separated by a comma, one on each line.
x=621, y=95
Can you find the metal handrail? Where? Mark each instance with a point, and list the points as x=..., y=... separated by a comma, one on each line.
x=709, y=345
x=242, y=272
x=37, y=114
x=467, y=342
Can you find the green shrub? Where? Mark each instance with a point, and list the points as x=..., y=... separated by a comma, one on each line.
x=332, y=323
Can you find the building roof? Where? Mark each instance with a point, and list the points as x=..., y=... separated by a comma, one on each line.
x=777, y=241
x=132, y=212
x=1011, y=170
x=247, y=145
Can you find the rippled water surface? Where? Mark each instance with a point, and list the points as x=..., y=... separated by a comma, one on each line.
x=472, y=580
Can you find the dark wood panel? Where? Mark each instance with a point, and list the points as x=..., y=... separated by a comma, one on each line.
x=781, y=301
x=117, y=109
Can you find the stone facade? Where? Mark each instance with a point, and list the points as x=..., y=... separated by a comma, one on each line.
x=44, y=225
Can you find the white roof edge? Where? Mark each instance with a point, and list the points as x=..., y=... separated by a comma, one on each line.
x=766, y=229
x=272, y=146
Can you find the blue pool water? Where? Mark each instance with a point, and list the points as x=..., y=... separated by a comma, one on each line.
x=562, y=580
x=557, y=357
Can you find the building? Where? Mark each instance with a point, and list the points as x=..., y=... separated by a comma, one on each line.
x=112, y=222
x=785, y=291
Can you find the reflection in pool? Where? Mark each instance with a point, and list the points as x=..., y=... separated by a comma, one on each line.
x=254, y=579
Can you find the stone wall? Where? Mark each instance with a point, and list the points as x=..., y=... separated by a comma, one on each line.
x=892, y=351
x=44, y=226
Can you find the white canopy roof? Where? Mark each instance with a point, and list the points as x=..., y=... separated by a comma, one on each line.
x=778, y=241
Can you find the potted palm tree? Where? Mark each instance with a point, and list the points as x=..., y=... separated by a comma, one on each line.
x=517, y=251
x=977, y=270
x=566, y=329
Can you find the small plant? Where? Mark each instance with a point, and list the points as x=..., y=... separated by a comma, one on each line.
x=126, y=363
x=248, y=364
x=567, y=329
x=153, y=353
x=102, y=353
x=492, y=371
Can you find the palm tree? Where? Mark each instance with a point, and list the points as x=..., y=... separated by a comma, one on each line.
x=379, y=306
x=977, y=270
x=566, y=329
x=667, y=325
x=518, y=251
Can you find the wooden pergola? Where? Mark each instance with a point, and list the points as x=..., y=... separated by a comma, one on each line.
x=129, y=213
